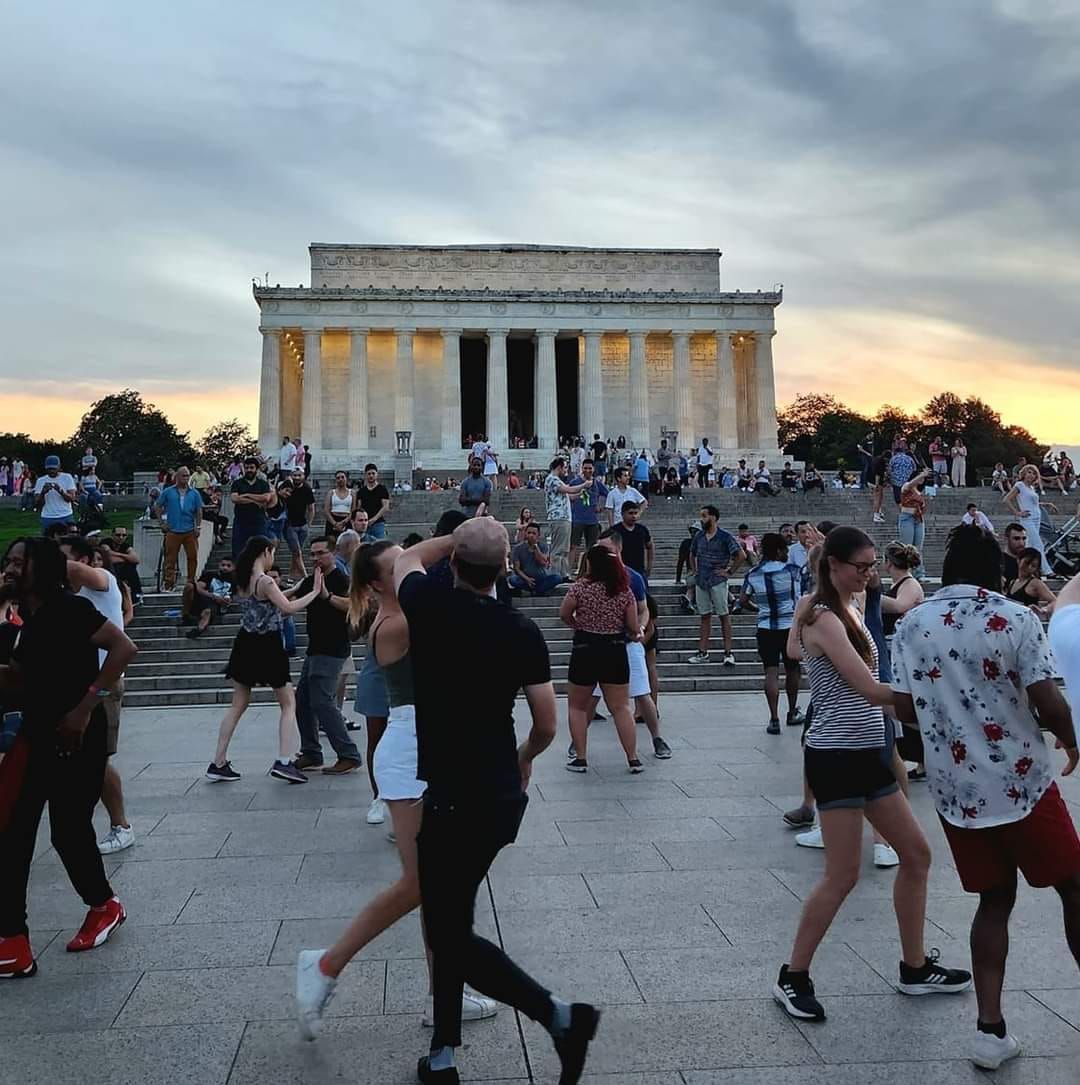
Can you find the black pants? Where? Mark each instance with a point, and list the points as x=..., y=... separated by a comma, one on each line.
x=456, y=846
x=71, y=786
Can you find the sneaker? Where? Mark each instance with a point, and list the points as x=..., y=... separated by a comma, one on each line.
x=314, y=990
x=376, y=813
x=194, y=634
x=635, y=767
x=352, y=725
x=932, y=979
x=795, y=992
x=474, y=1007
x=16, y=958
x=118, y=838
x=98, y=926
x=800, y=818
x=773, y=728
x=885, y=856
x=812, y=839
x=917, y=776
x=571, y=752
x=218, y=773
x=729, y=659
x=698, y=657
x=305, y=761
x=287, y=771
x=341, y=767
x=447, y=1076
x=795, y=719
x=661, y=750
x=573, y=1045
x=879, y=518
x=579, y=764
x=990, y=1051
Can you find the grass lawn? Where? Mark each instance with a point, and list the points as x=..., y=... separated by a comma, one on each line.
x=14, y=523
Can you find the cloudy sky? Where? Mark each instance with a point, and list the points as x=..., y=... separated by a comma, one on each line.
x=910, y=172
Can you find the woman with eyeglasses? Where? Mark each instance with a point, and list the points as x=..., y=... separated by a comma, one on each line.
x=848, y=759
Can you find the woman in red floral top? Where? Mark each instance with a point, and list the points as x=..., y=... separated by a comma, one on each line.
x=601, y=610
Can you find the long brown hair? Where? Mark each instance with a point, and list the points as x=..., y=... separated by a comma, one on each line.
x=841, y=543
x=606, y=568
x=363, y=602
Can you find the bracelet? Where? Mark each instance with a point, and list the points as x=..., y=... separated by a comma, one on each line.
x=98, y=692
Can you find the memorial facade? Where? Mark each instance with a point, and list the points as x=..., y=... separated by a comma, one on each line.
x=523, y=343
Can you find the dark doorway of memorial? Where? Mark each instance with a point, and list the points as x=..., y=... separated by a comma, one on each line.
x=521, y=389
x=566, y=385
x=473, y=389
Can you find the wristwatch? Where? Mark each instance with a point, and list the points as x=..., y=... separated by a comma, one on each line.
x=98, y=692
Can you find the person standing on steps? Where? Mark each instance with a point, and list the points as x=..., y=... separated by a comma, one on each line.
x=714, y=556
x=476, y=782
x=585, y=521
x=374, y=498
x=848, y=767
x=258, y=658
x=474, y=494
x=558, y=495
x=961, y=660
x=328, y=647
x=58, y=677
x=317, y=970
x=180, y=509
x=1024, y=499
x=251, y=497
x=299, y=514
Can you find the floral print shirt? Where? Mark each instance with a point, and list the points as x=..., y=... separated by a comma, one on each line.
x=966, y=657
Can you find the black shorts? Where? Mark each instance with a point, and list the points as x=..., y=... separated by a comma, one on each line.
x=843, y=779
x=597, y=658
x=587, y=532
x=772, y=649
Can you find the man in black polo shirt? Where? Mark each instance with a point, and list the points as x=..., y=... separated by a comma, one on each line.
x=476, y=779
x=328, y=645
x=250, y=498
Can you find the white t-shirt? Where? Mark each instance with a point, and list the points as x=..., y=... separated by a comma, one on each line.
x=287, y=456
x=55, y=506
x=1065, y=644
x=979, y=518
x=705, y=456
x=109, y=603
x=478, y=450
x=616, y=498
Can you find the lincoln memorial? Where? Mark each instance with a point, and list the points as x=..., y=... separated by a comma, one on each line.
x=519, y=342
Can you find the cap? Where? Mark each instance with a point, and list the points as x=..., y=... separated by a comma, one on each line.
x=52, y=461
x=482, y=541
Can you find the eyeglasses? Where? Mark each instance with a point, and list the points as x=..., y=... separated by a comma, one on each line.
x=863, y=567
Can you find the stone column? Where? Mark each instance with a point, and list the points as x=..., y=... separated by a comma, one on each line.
x=547, y=407
x=357, y=420
x=451, y=418
x=727, y=414
x=498, y=422
x=311, y=403
x=404, y=415
x=639, y=391
x=270, y=392
x=765, y=380
x=684, y=389
x=592, y=399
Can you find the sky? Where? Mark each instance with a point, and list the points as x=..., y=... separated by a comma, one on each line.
x=910, y=173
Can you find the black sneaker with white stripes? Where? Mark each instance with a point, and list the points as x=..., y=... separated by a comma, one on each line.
x=795, y=992
x=932, y=979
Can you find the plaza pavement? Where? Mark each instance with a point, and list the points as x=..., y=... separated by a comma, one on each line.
x=670, y=898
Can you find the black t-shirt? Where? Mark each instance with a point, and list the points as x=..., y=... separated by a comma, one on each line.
x=599, y=451
x=880, y=466
x=9, y=633
x=250, y=516
x=327, y=627
x=1010, y=567
x=57, y=659
x=297, y=504
x=371, y=500
x=464, y=720
x=633, y=545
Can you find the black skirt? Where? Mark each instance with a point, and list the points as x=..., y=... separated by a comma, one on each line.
x=258, y=659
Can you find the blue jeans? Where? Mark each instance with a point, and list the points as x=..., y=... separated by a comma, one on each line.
x=912, y=532
x=48, y=521
x=242, y=532
x=296, y=537
x=316, y=705
x=542, y=584
x=377, y=530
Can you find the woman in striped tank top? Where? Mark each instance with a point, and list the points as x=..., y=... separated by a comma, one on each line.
x=848, y=760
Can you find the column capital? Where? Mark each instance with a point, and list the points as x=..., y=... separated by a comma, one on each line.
x=404, y=331
x=358, y=331
x=451, y=331
x=765, y=333
x=592, y=333
x=678, y=333
x=552, y=332
x=271, y=331
x=637, y=333
x=497, y=331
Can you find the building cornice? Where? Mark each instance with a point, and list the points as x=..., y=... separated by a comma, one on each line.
x=651, y=297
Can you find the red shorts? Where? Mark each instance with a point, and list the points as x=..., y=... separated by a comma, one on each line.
x=1043, y=846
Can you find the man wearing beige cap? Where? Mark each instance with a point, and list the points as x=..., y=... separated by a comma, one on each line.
x=476, y=778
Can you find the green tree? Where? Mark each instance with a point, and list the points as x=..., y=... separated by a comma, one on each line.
x=838, y=435
x=798, y=422
x=891, y=422
x=224, y=440
x=129, y=434
x=944, y=415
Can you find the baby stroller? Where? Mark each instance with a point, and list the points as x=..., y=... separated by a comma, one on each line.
x=1062, y=546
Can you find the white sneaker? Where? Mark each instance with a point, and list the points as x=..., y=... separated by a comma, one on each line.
x=884, y=856
x=729, y=659
x=474, y=1007
x=118, y=839
x=989, y=1052
x=811, y=839
x=313, y=992
x=376, y=814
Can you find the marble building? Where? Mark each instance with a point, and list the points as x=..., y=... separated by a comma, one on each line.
x=525, y=342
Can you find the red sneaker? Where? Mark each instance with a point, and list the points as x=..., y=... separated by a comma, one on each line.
x=16, y=958
x=98, y=926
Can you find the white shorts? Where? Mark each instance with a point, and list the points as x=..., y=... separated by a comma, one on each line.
x=639, y=672
x=491, y=468
x=395, y=757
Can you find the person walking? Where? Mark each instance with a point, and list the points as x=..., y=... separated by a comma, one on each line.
x=714, y=556
x=60, y=680
x=1025, y=501
x=258, y=658
x=477, y=781
x=557, y=495
x=180, y=509
x=848, y=765
x=959, y=661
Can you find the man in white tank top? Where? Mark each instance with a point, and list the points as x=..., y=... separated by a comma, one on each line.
x=102, y=589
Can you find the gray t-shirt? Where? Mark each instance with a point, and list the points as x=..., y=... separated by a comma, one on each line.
x=522, y=555
x=475, y=491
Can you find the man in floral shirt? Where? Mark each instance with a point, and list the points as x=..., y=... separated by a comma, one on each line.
x=557, y=493
x=969, y=666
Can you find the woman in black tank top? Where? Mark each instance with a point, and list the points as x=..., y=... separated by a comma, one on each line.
x=905, y=591
x=1028, y=589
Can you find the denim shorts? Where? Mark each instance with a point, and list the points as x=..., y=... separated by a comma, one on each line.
x=849, y=778
x=296, y=537
x=371, y=696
